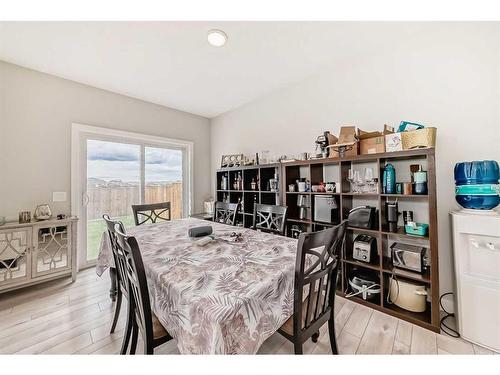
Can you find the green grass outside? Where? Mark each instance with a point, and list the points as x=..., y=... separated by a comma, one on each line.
x=95, y=229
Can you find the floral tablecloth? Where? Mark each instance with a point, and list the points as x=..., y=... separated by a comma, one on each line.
x=226, y=297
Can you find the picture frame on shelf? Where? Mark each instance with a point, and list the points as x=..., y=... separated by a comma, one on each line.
x=232, y=160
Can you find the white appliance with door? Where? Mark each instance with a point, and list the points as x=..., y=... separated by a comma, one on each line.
x=476, y=252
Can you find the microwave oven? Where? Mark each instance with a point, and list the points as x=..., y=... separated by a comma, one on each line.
x=326, y=209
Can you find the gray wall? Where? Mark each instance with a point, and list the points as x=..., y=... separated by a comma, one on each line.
x=449, y=78
x=36, y=113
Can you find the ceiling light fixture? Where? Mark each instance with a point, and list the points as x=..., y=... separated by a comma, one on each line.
x=216, y=38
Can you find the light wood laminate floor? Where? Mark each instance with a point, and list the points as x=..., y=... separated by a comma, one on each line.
x=61, y=317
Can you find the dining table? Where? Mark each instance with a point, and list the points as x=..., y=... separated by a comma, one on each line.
x=222, y=296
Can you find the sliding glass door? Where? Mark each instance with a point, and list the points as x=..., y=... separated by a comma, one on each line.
x=117, y=173
x=113, y=186
x=163, y=178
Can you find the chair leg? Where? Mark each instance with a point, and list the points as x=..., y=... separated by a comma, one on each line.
x=117, y=310
x=148, y=348
x=297, y=347
x=315, y=337
x=331, y=332
x=135, y=334
x=128, y=330
x=113, y=290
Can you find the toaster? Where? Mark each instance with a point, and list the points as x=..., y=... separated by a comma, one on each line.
x=363, y=217
x=364, y=248
x=409, y=257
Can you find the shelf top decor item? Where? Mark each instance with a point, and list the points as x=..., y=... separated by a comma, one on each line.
x=234, y=160
x=42, y=212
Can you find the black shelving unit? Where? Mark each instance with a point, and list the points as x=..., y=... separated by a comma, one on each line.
x=336, y=170
x=315, y=170
x=260, y=174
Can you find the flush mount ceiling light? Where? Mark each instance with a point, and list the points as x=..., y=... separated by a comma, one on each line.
x=216, y=38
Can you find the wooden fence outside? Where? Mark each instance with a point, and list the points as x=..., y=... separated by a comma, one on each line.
x=117, y=200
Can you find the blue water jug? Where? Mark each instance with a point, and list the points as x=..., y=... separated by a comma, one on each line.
x=389, y=179
x=477, y=184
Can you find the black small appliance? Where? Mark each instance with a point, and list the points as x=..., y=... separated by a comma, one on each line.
x=364, y=284
x=363, y=217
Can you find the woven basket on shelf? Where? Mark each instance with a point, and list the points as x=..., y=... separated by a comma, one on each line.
x=422, y=138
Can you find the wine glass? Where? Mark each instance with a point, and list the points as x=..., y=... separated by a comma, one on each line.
x=369, y=179
x=358, y=182
x=350, y=178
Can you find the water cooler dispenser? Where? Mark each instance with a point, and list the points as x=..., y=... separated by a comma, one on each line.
x=476, y=252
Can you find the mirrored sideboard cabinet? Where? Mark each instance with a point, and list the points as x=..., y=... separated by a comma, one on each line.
x=36, y=252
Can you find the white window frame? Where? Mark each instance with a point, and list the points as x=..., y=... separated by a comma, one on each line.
x=79, y=135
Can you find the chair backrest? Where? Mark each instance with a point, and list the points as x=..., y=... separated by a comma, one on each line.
x=130, y=255
x=269, y=218
x=151, y=213
x=226, y=212
x=110, y=224
x=319, y=280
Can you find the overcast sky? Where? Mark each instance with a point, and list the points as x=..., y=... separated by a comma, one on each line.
x=118, y=161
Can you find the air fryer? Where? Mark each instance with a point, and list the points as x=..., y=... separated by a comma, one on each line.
x=364, y=283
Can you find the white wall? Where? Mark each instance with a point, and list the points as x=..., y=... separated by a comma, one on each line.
x=36, y=113
x=448, y=77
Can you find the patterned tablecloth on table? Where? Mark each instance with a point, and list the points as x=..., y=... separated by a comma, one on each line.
x=226, y=297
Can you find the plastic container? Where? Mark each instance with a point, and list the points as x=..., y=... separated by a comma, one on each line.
x=477, y=184
x=420, y=229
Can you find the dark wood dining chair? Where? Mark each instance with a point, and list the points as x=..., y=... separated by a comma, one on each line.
x=319, y=281
x=226, y=212
x=141, y=318
x=151, y=213
x=119, y=277
x=269, y=218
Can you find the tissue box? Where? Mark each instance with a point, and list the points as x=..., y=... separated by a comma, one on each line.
x=393, y=142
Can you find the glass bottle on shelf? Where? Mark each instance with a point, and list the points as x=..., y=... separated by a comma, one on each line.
x=235, y=183
x=240, y=181
x=274, y=183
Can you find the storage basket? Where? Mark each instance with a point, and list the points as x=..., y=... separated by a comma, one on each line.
x=420, y=229
x=422, y=138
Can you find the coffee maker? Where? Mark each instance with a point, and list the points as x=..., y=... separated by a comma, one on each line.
x=322, y=142
x=391, y=215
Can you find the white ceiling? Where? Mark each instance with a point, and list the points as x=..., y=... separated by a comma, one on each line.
x=171, y=63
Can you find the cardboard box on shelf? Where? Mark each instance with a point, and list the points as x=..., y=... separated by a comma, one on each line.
x=347, y=144
x=373, y=142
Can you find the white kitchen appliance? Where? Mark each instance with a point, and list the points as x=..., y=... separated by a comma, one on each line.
x=407, y=295
x=476, y=253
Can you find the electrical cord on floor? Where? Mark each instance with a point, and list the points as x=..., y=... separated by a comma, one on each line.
x=445, y=328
